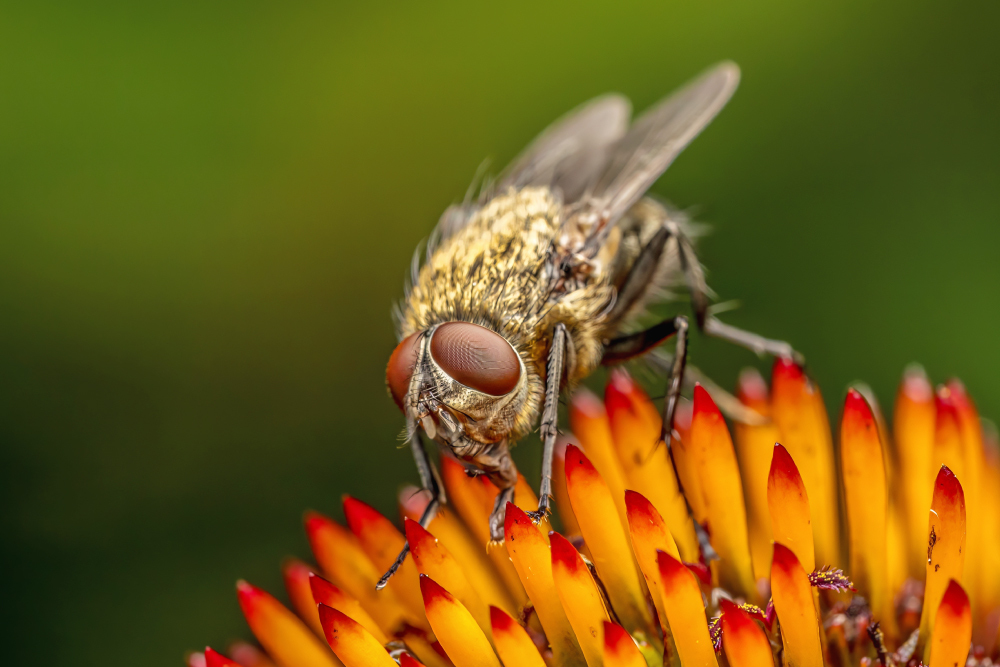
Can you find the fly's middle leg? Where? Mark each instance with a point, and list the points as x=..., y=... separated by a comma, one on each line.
x=550, y=415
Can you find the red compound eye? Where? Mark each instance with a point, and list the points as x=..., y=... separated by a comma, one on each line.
x=477, y=357
x=400, y=368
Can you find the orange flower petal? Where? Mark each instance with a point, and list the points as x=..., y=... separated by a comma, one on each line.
x=215, y=659
x=435, y=561
x=788, y=502
x=473, y=504
x=343, y=561
x=793, y=604
x=249, y=656
x=754, y=444
x=607, y=541
x=711, y=450
x=529, y=552
x=296, y=575
x=685, y=613
x=512, y=641
x=649, y=535
x=455, y=628
x=619, y=648
x=323, y=592
x=743, y=641
x=564, y=508
x=952, y=635
x=945, y=544
x=913, y=433
x=635, y=426
x=428, y=652
x=280, y=632
x=866, y=499
x=382, y=543
x=797, y=409
x=590, y=420
x=459, y=541
x=354, y=645
x=581, y=599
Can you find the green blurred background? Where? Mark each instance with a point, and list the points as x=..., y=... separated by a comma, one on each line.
x=207, y=208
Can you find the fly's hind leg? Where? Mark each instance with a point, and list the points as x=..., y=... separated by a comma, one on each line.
x=497, y=464
x=431, y=481
x=550, y=415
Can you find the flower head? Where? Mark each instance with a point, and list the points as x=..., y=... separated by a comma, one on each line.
x=885, y=548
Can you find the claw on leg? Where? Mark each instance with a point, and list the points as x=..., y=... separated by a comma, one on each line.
x=499, y=513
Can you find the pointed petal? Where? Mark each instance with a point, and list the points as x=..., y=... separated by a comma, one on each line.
x=589, y=419
x=788, y=503
x=455, y=627
x=581, y=599
x=607, y=541
x=435, y=561
x=530, y=554
x=743, y=641
x=635, y=426
x=711, y=449
x=649, y=535
x=945, y=544
x=685, y=613
x=354, y=645
x=448, y=528
x=471, y=500
x=407, y=660
x=324, y=592
x=952, y=635
x=215, y=659
x=280, y=632
x=296, y=575
x=342, y=560
x=866, y=500
x=797, y=409
x=619, y=648
x=427, y=651
x=512, y=641
x=382, y=542
x=753, y=450
x=796, y=611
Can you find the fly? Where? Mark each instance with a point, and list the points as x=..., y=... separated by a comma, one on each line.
x=529, y=288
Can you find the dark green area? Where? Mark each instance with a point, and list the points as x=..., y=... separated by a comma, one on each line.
x=207, y=208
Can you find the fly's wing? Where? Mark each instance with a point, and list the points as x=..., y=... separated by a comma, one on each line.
x=573, y=151
x=652, y=143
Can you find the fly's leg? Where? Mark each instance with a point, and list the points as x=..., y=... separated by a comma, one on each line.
x=431, y=481
x=499, y=467
x=550, y=415
x=627, y=347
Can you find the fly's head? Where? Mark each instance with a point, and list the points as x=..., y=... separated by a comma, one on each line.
x=464, y=384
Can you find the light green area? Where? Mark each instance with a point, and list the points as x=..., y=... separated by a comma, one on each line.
x=207, y=208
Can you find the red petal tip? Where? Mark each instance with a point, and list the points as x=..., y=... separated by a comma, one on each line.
x=500, y=620
x=751, y=386
x=216, y=659
x=315, y=522
x=703, y=403
x=949, y=483
x=782, y=462
x=359, y=514
x=432, y=591
x=784, y=557
x=587, y=404
x=785, y=368
x=576, y=460
x=515, y=521
x=563, y=552
x=955, y=598
x=615, y=636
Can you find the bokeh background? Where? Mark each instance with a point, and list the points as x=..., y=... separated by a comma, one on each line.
x=207, y=208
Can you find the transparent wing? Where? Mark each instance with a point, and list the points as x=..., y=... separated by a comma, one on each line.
x=657, y=138
x=573, y=151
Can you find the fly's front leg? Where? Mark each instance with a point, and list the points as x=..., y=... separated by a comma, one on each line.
x=431, y=481
x=550, y=416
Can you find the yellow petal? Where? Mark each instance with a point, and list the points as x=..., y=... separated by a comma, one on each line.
x=949, y=644
x=296, y=575
x=866, y=500
x=685, y=613
x=945, y=545
x=354, y=645
x=619, y=648
x=649, y=535
x=512, y=641
x=711, y=450
x=788, y=503
x=607, y=541
x=324, y=592
x=797, y=409
x=590, y=420
x=530, y=554
x=581, y=599
x=280, y=632
x=794, y=606
x=455, y=628
x=743, y=641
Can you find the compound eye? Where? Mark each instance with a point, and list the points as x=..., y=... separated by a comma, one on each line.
x=477, y=357
x=400, y=368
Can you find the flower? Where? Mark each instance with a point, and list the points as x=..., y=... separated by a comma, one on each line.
x=840, y=555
